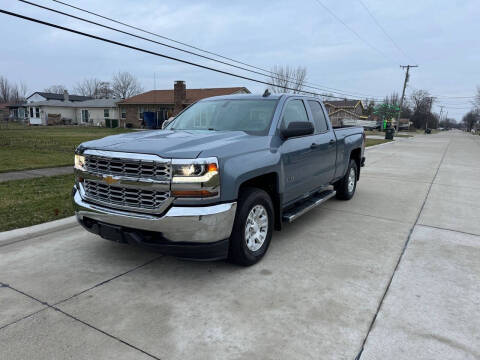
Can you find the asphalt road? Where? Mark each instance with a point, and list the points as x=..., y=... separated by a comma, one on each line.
x=392, y=274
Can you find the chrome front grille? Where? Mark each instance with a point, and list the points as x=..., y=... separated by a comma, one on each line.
x=133, y=168
x=127, y=197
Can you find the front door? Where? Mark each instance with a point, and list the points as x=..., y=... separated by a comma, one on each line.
x=297, y=154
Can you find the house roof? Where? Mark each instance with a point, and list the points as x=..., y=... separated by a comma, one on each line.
x=53, y=96
x=100, y=103
x=94, y=103
x=347, y=103
x=338, y=111
x=193, y=95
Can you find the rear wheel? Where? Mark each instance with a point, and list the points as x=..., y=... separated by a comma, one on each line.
x=346, y=186
x=253, y=227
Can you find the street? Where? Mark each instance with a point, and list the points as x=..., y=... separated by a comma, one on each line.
x=391, y=274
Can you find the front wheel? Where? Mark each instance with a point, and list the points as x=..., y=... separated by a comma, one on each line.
x=252, y=228
x=346, y=186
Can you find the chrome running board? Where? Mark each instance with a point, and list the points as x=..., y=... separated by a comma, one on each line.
x=307, y=205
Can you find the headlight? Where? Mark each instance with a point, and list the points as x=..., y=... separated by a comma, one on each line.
x=79, y=162
x=195, y=178
x=193, y=170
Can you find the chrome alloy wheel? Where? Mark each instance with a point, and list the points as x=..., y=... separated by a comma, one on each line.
x=256, y=227
x=351, y=180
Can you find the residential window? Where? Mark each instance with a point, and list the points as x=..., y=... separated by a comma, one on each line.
x=37, y=112
x=106, y=113
x=140, y=113
x=31, y=112
x=85, y=116
x=124, y=113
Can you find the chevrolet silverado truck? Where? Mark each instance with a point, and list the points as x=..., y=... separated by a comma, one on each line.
x=219, y=179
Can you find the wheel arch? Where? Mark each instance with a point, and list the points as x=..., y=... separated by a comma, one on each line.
x=269, y=182
x=356, y=155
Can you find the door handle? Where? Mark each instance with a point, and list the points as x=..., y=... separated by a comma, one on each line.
x=331, y=142
x=314, y=146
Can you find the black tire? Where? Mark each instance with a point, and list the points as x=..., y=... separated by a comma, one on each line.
x=341, y=186
x=239, y=253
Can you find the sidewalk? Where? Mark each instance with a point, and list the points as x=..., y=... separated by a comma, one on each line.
x=30, y=174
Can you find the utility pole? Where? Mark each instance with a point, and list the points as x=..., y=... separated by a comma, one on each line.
x=440, y=116
x=403, y=92
x=429, y=111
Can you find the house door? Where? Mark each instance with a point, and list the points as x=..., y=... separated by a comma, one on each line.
x=85, y=116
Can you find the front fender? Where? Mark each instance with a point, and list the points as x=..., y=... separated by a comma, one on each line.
x=238, y=169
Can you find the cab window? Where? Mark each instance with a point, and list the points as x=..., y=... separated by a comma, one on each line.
x=294, y=112
x=318, y=116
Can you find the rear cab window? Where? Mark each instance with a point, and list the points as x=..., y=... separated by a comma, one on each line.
x=318, y=116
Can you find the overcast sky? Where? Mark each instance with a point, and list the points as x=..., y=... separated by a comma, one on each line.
x=440, y=36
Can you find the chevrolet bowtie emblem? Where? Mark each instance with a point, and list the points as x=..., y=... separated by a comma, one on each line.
x=110, y=180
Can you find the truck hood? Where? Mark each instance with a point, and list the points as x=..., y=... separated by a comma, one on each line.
x=168, y=143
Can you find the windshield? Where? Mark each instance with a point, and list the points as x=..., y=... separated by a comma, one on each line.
x=251, y=116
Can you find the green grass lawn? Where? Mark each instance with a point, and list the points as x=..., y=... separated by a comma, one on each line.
x=34, y=201
x=381, y=133
x=371, y=142
x=34, y=147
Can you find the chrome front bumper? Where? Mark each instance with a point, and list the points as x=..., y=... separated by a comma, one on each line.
x=199, y=224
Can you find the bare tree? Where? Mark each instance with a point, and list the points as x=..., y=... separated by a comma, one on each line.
x=393, y=99
x=55, y=89
x=5, y=90
x=22, y=88
x=471, y=119
x=12, y=93
x=104, y=90
x=421, y=100
x=125, y=85
x=476, y=102
x=422, y=105
x=88, y=87
x=286, y=77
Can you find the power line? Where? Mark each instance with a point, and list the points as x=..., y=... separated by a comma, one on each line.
x=166, y=45
x=268, y=72
x=455, y=97
x=384, y=31
x=155, y=53
x=350, y=29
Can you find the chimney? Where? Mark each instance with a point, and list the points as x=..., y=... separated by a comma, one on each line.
x=179, y=96
x=65, y=95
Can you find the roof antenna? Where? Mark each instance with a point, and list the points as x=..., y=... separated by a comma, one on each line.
x=266, y=93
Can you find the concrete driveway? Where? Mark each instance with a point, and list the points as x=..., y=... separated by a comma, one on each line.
x=392, y=274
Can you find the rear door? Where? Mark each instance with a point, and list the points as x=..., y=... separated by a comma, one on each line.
x=297, y=155
x=324, y=143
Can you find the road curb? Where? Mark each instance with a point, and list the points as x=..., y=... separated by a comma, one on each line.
x=13, y=236
x=390, y=142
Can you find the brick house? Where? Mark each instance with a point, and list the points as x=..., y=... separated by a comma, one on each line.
x=339, y=110
x=162, y=104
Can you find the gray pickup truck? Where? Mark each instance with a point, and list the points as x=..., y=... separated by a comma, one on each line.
x=218, y=180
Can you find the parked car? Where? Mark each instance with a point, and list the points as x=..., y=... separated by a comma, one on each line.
x=219, y=179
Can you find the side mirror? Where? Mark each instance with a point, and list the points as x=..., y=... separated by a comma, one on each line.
x=301, y=128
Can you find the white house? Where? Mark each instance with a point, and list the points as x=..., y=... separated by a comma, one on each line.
x=97, y=112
